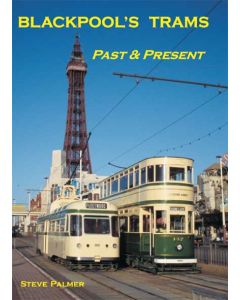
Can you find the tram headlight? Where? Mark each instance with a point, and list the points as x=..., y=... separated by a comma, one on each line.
x=179, y=247
x=115, y=246
x=79, y=245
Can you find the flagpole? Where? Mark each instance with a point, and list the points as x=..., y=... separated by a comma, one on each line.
x=223, y=208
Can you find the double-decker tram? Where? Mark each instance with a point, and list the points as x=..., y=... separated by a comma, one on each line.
x=155, y=205
x=79, y=233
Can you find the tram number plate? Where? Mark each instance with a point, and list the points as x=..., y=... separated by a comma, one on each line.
x=96, y=205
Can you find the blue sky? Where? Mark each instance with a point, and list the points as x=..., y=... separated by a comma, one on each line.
x=40, y=86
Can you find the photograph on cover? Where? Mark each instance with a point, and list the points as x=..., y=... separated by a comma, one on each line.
x=120, y=150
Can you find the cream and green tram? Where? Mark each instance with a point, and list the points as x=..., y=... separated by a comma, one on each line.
x=79, y=233
x=155, y=206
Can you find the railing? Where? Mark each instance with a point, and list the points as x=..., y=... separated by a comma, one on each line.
x=212, y=254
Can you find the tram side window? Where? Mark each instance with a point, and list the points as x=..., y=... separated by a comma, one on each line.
x=96, y=225
x=177, y=223
x=123, y=224
x=150, y=173
x=136, y=177
x=52, y=226
x=123, y=182
x=177, y=174
x=146, y=223
x=115, y=231
x=62, y=225
x=190, y=222
x=189, y=174
x=161, y=220
x=76, y=225
x=115, y=186
x=159, y=173
x=57, y=225
x=134, y=224
x=143, y=175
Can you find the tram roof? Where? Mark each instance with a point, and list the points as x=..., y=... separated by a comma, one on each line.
x=151, y=157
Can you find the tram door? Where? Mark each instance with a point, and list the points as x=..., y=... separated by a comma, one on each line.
x=147, y=238
x=45, y=237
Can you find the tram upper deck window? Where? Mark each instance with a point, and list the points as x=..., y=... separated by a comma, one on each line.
x=131, y=180
x=150, y=173
x=189, y=174
x=115, y=186
x=76, y=225
x=123, y=182
x=159, y=173
x=143, y=175
x=176, y=174
x=137, y=177
x=96, y=225
x=161, y=220
x=115, y=231
x=123, y=224
x=134, y=224
x=177, y=223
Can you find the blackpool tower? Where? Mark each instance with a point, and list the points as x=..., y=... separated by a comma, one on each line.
x=76, y=136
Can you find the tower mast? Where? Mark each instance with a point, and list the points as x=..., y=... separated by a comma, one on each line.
x=76, y=136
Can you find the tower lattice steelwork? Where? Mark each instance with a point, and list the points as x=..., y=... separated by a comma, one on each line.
x=76, y=136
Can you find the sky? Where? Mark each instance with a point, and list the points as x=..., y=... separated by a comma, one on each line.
x=40, y=88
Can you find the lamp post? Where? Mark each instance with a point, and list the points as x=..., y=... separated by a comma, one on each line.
x=47, y=190
x=223, y=208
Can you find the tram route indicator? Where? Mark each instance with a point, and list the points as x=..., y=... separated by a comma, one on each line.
x=96, y=205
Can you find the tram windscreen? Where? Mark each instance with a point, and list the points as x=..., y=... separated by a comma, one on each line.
x=96, y=225
x=76, y=225
x=177, y=223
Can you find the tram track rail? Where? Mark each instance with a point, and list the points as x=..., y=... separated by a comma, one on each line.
x=26, y=252
x=196, y=284
x=121, y=288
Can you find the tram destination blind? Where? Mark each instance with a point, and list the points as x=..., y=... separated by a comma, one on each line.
x=96, y=205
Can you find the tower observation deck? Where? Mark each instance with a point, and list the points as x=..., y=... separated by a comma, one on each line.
x=76, y=136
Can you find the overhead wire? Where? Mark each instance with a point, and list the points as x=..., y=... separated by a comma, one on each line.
x=151, y=70
x=209, y=134
x=167, y=126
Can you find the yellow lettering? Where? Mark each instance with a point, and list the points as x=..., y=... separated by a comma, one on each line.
x=97, y=53
x=23, y=22
x=32, y=23
x=154, y=21
x=133, y=22
x=70, y=22
x=165, y=21
x=204, y=23
x=148, y=53
x=55, y=24
x=47, y=23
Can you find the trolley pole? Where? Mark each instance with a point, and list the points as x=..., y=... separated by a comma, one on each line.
x=223, y=208
x=80, y=174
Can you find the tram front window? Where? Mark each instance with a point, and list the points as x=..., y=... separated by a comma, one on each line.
x=177, y=223
x=76, y=225
x=96, y=225
x=161, y=220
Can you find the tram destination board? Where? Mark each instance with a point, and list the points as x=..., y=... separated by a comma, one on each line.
x=96, y=205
